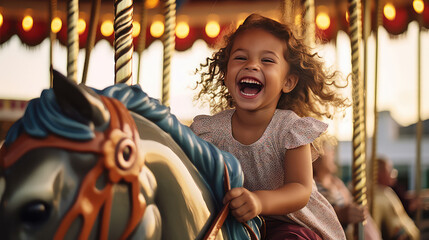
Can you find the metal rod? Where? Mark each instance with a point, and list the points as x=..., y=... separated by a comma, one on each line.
x=123, y=41
x=72, y=39
x=310, y=28
x=93, y=21
x=374, y=162
x=359, y=163
x=142, y=37
x=419, y=127
x=52, y=37
x=169, y=45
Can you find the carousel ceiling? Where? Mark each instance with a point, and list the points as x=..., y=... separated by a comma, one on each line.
x=196, y=19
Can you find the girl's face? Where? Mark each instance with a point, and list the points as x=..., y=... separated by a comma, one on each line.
x=257, y=72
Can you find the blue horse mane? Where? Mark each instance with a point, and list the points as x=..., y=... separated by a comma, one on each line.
x=43, y=116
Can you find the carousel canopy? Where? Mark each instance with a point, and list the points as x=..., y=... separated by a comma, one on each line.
x=196, y=19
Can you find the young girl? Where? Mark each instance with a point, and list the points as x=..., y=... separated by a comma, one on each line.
x=268, y=83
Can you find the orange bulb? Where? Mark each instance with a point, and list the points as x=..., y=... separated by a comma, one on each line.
x=107, y=28
x=27, y=23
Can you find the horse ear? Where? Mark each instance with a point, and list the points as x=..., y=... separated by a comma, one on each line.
x=79, y=102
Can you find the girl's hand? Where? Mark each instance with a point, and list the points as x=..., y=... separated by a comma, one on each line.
x=244, y=204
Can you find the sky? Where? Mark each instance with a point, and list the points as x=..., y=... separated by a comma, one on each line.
x=25, y=73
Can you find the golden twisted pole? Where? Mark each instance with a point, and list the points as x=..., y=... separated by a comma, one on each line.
x=310, y=28
x=374, y=162
x=142, y=37
x=72, y=39
x=95, y=9
x=52, y=37
x=123, y=41
x=359, y=165
x=169, y=44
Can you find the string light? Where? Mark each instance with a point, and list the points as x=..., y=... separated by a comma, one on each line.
x=107, y=28
x=149, y=4
x=136, y=29
x=182, y=30
x=56, y=25
x=323, y=21
x=389, y=11
x=27, y=23
x=157, y=29
x=81, y=26
x=418, y=6
x=212, y=29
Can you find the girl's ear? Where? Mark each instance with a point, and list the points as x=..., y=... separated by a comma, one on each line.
x=290, y=83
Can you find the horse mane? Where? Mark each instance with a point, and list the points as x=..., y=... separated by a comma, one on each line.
x=43, y=116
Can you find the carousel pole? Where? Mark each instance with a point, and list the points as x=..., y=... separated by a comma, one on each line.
x=123, y=41
x=72, y=39
x=95, y=9
x=286, y=11
x=169, y=45
x=359, y=164
x=142, y=37
x=419, y=126
x=310, y=29
x=374, y=163
x=52, y=37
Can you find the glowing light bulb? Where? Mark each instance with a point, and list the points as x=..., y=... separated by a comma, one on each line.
x=81, y=26
x=323, y=21
x=136, y=29
x=107, y=28
x=182, y=30
x=418, y=6
x=389, y=11
x=149, y=4
x=27, y=23
x=1, y=19
x=157, y=29
x=212, y=29
x=56, y=24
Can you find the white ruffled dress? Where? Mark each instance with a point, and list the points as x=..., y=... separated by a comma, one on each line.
x=263, y=161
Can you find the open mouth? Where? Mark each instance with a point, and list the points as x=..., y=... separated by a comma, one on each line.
x=249, y=86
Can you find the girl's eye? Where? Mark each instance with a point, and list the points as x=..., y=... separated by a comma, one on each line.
x=239, y=58
x=268, y=60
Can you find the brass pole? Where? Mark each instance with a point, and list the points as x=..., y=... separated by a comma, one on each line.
x=169, y=45
x=419, y=127
x=123, y=41
x=72, y=39
x=359, y=164
x=90, y=41
x=374, y=163
x=52, y=37
x=142, y=37
x=310, y=28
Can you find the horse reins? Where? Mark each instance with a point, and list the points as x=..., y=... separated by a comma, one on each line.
x=221, y=217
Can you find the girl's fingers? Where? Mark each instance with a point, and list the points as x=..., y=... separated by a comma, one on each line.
x=232, y=194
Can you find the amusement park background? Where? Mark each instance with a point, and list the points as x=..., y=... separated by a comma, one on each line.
x=24, y=63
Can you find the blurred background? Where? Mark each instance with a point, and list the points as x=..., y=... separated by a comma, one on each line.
x=200, y=24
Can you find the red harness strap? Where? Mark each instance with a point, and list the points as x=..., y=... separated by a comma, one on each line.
x=220, y=218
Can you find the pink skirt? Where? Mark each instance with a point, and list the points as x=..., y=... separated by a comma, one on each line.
x=279, y=230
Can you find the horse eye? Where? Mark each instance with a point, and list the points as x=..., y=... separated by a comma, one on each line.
x=126, y=153
x=35, y=213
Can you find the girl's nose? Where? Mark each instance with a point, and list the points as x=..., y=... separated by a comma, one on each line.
x=252, y=65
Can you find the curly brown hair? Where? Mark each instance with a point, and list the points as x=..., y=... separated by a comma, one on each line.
x=315, y=94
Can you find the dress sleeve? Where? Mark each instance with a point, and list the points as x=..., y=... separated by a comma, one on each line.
x=202, y=128
x=305, y=131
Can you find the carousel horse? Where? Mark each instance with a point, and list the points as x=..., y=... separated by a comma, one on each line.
x=111, y=164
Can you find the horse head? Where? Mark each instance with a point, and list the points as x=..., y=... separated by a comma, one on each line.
x=112, y=163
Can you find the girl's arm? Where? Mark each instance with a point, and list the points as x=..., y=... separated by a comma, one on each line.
x=292, y=196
